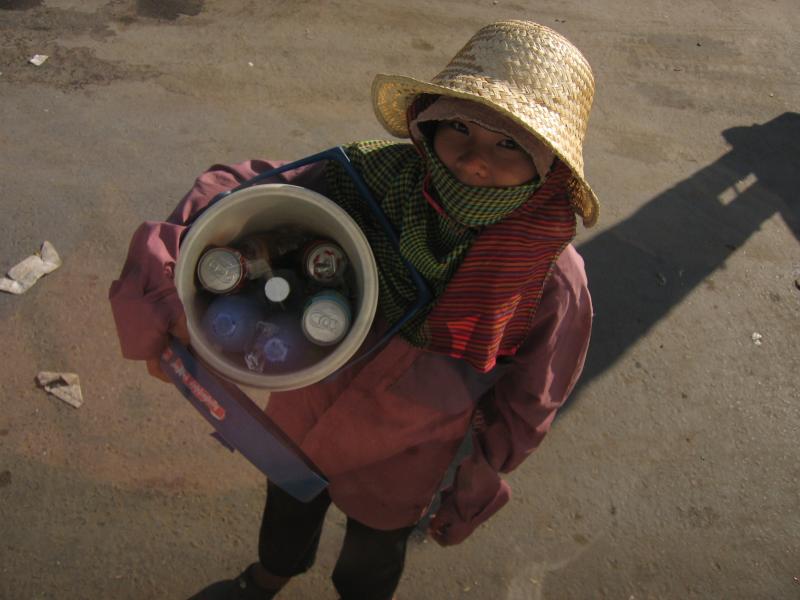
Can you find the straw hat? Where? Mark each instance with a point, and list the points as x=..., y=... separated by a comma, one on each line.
x=523, y=70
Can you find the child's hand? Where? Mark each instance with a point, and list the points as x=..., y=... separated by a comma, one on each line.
x=446, y=528
x=438, y=529
x=179, y=331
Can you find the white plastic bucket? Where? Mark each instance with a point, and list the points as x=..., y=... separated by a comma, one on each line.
x=261, y=208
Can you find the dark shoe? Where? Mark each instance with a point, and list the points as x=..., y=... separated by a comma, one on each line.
x=243, y=587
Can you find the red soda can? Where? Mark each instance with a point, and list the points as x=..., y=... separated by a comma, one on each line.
x=222, y=270
x=324, y=262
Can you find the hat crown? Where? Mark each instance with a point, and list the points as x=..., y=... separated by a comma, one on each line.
x=535, y=73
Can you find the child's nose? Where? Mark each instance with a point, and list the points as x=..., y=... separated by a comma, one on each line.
x=474, y=163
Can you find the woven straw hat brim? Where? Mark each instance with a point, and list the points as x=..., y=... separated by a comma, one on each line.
x=392, y=95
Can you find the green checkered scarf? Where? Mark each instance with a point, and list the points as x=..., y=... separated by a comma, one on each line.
x=434, y=243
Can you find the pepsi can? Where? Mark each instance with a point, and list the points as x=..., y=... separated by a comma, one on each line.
x=326, y=318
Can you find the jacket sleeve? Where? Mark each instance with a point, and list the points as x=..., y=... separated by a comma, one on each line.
x=513, y=418
x=144, y=300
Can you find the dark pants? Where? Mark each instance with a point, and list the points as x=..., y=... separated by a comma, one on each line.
x=370, y=563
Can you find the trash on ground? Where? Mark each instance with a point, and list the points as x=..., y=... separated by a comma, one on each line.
x=757, y=337
x=64, y=386
x=23, y=275
x=38, y=59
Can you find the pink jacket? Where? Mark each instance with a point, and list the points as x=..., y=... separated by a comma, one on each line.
x=385, y=431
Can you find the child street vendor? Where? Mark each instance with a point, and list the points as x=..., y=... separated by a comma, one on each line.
x=485, y=200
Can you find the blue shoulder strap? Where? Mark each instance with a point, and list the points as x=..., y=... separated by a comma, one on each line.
x=240, y=424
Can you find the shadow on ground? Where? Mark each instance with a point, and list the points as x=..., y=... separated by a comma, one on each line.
x=646, y=265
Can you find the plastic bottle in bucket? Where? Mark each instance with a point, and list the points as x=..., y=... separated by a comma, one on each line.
x=230, y=322
x=280, y=346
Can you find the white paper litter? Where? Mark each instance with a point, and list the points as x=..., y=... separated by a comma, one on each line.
x=23, y=275
x=64, y=386
x=38, y=59
x=757, y=337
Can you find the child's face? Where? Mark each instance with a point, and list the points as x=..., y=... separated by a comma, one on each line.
x=481, y=157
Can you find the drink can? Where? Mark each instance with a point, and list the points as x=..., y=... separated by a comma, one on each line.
x=324, y=261
x=326, y=318
x=221, y=270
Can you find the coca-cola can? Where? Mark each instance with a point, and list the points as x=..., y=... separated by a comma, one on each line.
x=221, y=270
x=324, y=261
x=326, y=318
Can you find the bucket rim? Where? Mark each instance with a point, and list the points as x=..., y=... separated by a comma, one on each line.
x=360, y=326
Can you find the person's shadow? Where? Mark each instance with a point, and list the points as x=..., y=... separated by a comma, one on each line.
x=643, y=267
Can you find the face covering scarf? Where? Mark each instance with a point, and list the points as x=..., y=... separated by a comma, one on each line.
x=434, y=242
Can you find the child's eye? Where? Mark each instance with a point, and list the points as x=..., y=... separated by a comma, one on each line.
x=458, y=126
x=508, y=144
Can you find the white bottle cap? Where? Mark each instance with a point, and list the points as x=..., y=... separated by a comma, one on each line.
x=277, y=289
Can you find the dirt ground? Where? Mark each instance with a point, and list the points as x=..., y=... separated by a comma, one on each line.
x=673, y=472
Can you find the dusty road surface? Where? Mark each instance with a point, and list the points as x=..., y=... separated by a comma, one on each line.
x=673, y=473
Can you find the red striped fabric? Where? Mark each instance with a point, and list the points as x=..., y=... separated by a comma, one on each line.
x=488, y=306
